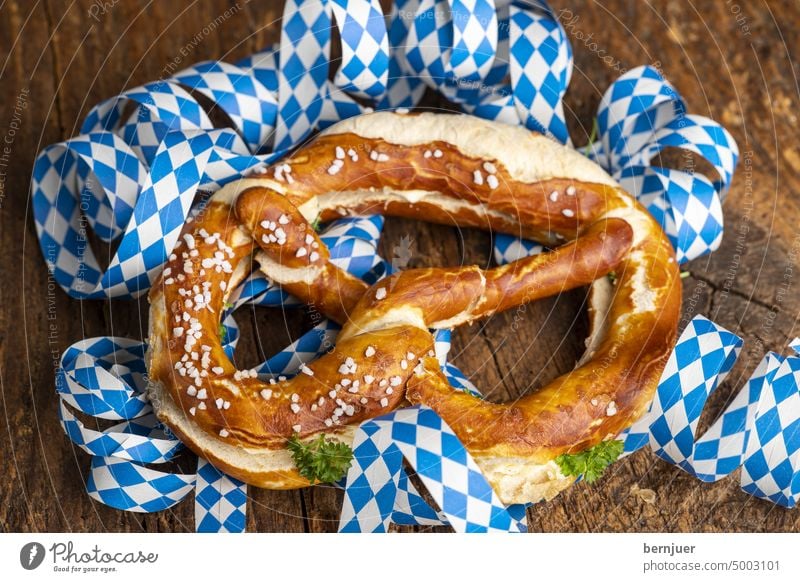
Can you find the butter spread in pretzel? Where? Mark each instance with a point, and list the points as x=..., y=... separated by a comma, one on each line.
x=451, y=169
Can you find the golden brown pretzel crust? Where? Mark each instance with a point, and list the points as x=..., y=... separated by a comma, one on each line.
x=383, y=354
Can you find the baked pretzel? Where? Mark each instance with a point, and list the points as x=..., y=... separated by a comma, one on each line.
x=451, y=169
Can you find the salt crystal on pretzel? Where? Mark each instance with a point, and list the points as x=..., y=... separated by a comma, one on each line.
x=420, y=166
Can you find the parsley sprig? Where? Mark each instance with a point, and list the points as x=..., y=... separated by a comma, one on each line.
x=320, y=460
x=592, y=137
x=592, y=462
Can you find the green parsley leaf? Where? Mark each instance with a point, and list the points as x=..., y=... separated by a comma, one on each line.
x=317, y=223
x=592, y=136
x=227, y=305
x=320, y=460
x=612, y=276
x=592, y=462
x=223, y=331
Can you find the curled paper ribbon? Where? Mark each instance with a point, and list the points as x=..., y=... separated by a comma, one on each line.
x=135, y=178
x=450, y=474
x=758, y=431
x=640, y=115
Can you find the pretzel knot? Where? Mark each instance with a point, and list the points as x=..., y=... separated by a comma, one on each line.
x=452, y=169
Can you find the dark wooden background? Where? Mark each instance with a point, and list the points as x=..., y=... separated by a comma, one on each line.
x=734, y=61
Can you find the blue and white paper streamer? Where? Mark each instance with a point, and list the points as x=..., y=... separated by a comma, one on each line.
x=134, y=181
x=449, y=473
x=758, y=431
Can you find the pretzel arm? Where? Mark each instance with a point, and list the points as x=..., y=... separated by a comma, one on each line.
x=294, y=256
x=441, y=298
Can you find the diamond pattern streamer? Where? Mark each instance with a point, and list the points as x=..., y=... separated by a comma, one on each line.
x=539, y=59
x=771, y=468
x=131, y=487
x=302, y=69
x=451, y=46
x=121, y=176
x=250, y=105
x=142, y=441
x=758, y=431
x=449, y=473
x=402, y=90
x=365, y=48
x=702, y=357
x=640, y=115
x=220, y=501
x=104, y=377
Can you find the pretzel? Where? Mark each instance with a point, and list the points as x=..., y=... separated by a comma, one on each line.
x=450, y=169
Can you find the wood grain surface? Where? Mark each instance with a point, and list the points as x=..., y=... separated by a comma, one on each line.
x=736, y=62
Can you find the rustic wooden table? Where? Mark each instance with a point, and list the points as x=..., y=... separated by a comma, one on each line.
x=735, y=62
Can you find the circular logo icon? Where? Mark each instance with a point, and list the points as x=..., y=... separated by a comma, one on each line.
x=31, y=555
